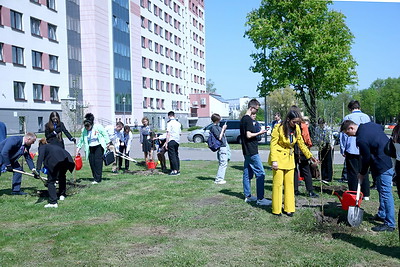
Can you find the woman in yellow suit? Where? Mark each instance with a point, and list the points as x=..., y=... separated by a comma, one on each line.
x=284, y=136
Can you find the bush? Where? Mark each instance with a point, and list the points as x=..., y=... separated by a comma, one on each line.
x=194, y=128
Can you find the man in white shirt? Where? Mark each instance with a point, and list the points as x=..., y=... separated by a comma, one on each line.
x=115, y=134
x=172, y=143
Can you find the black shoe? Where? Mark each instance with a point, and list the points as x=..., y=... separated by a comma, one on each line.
x=373, y=187
x=278, y=215
x=18, y=193
x=377, y=218
x=342, y=181
x=312, y=194
x=382, y=228
x=297, y=193
x=290, y=214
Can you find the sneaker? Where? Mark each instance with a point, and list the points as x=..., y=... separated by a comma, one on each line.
x=250, y=199
x=382, y=228
x=220, y=182
x=94, y=182
x=366, y=198
x=51, y=205
x=312, y=194
x=377, y=218
x=62, y=198
x=325, y=182
x=264, y=202
x=175, y=173
x=18, y=193
x=342, y=181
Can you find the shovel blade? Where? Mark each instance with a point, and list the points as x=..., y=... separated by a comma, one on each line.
x=355, y=216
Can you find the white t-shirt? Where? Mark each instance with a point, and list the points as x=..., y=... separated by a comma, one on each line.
x=174, y=130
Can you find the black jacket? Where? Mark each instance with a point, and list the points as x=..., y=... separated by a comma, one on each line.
x=51, y=155
x=55, y=136
x=371, y=140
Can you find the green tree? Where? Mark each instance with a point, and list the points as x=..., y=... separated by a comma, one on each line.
x=210, y=86
x=303, y=44
x=281, y=100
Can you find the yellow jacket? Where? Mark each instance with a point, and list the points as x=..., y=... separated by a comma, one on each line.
x=282, y=151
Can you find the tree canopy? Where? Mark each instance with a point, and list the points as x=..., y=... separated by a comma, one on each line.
x=303, y=44
x=210, y=86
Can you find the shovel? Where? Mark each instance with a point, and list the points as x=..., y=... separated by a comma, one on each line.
x=44, y=180
x=355, y=213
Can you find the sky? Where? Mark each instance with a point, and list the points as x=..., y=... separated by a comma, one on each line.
x=376, y=48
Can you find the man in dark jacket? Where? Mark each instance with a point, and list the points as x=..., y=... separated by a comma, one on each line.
x=57, y=161
x=11, y=149
x=371, y=140
x=3, y=131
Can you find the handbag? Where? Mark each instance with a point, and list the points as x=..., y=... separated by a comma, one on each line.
x=389, y=149
x=108, y=157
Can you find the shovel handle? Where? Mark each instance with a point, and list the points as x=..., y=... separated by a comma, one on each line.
x=29, y=174
x=358, y=192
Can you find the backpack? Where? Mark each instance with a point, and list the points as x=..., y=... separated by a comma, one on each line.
x=213, y=143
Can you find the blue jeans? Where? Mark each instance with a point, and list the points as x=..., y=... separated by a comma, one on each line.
x=253, y=165
x=386, y=202
x=222, y=157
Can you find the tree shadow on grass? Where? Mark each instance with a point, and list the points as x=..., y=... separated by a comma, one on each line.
x=25, y=189
x=365, y=244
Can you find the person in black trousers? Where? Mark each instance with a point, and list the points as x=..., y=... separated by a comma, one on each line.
x=57, y=161
x=172, y=143
x=325, y=141
x=54, y=129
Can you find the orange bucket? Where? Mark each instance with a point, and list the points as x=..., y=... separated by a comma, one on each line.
x=349, y=199
x=151, y=164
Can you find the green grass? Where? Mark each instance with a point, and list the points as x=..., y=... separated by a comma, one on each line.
x=187, y=220
x=233, y=146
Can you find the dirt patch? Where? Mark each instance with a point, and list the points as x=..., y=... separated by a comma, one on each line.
x=140, y=230
x=145, y=250
x=214, y=200
x=106, y=218
x=146, y=172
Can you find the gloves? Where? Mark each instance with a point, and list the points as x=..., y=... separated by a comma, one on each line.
x=73, y=140
x=9, y=168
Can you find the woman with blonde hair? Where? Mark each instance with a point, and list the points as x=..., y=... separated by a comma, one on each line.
x=283, y=139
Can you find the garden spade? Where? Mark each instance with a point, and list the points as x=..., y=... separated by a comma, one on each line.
x=355, y=213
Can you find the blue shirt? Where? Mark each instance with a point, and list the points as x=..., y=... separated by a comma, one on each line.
x=348, y=143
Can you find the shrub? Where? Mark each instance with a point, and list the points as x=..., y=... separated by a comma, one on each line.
x=192, y=128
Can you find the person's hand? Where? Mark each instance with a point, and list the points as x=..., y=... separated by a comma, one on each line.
x=73, y=140
x=77, y=151
x=344, y=155
x=360, y=177
x=36, y=174
x=274, y=165
x=9, y=168
x=315, y=160
x=224, y=127
x=262, y=131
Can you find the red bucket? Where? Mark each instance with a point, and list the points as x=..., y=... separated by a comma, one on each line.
x=78, y=162
x=151, y=165
x=349, y=199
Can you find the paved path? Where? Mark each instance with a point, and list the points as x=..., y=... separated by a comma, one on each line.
x=186, y=153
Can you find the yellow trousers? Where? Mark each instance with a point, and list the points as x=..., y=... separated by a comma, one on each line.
x=283, y=178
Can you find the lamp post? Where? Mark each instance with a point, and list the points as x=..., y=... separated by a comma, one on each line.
x=123, y=101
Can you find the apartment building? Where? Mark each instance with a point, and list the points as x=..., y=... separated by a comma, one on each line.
x=33, y=62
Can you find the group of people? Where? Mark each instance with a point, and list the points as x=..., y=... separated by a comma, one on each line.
x=362, y=144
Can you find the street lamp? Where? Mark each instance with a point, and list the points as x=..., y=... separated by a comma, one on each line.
x=123, y=101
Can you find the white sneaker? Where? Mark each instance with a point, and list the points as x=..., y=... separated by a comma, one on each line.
x=250, y=199
x=94, y=182
x=366, y=198
x=220, y=182
x=264, y=202
x=51, y=205
x=62, y=197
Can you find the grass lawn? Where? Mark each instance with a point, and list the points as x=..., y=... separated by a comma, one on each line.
x=144, y=219
x=233, y=146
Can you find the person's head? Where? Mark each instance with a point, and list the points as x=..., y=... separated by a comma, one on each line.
x=349, y=127
x=119, y=126
x=88, y=121
x=297, y=110
x=42, y=141
x=29, y=139
x=253, y=106
x=215, y=118
x=289, y=124
x=277, y=116
x=171, y=114
x=353, y=105
x=145, y=121
x=127, y=129
x=54, y=117
x=253, y=116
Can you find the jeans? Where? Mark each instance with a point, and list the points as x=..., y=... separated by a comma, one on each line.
x=253, y=165
x=386, y=201
x=222, y=157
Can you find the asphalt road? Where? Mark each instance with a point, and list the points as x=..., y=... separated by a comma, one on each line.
x=186, y=153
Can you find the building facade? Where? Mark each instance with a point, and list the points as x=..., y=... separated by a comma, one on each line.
x=33, y=63
x=203, y=105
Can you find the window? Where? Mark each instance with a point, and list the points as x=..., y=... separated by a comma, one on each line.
x=142, y=21
x=157, y=66
x=54, y=93
x=151, y=102
x=161, y=31
x=162, y=86
x=40, y=124
x=19, y=93
x=145, y=102
x=162, y=68
x=142, y=3
x=53, y=63
x=144, y=82
x=161, y=49
x=156, y=47
x=143, y=42
x=16, y=20
x=18, y=55
x=150, y=45
x=52, y=32
x=35, y=1
x=151, y=83
x=37, y=91
x=36, y=59
x=157, y=85
x=51, y=4
x=35, y=26
x=1, y=52
x=156, y=28
x=151, y=64
x=149, y=23
x=143, y=62
x=149, y=5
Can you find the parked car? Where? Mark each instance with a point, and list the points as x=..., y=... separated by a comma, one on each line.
x=232, y=132
x=390, y=126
